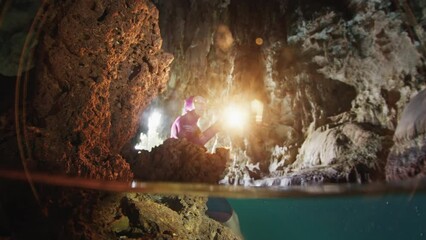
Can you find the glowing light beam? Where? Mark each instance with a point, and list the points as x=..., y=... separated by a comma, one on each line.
x=235, y=117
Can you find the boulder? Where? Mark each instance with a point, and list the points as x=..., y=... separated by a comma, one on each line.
x=408, y=155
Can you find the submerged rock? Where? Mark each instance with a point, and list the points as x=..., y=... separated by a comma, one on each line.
x=147, y=216
x=407, y=158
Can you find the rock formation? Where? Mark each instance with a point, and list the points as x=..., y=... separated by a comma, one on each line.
x=151, y=217
x=179, y=161
x=408, y=156
x=100, y=65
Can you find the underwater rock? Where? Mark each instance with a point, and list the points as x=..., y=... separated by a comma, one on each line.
x=408, y=156
x=180, y=161
x=147, y=216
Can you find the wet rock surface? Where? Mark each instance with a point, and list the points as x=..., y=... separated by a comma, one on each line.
x=180, y=161
x=137, y=216
x=85, y=214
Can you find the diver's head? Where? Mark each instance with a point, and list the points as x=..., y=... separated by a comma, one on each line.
x=196, y=103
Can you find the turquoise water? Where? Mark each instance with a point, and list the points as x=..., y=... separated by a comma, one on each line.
x=384, y=217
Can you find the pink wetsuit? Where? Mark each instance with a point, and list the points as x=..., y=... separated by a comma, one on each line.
x=186, y=126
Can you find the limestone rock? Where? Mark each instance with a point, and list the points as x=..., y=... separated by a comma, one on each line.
x=346, y=144
x=180, y=161
x=408, y=155
x=344, y=153
x=413, y=119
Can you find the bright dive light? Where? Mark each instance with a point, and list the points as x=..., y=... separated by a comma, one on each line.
x=151, y=138
x=235, y=117
x=154, y=121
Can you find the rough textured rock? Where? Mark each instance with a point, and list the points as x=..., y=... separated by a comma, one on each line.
x=100, y=64
x=408, y=156
x=180, y=161
x=137, y=216
x=344, y=153
x=82, y=214
x=345, y=144
x=413, y=119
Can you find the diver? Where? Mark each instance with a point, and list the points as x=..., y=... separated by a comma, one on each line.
x=186, y=126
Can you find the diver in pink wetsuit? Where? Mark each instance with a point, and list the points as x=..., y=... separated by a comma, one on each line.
x=185, y=126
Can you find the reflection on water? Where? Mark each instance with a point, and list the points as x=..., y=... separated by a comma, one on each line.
x=372, y=211
x=373, y=189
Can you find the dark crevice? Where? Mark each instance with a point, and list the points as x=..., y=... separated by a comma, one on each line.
x=150, y=67
x=135, y=71
x=103, y=16
x=173, y=203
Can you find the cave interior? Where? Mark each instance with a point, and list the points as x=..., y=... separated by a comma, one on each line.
x=328, y=93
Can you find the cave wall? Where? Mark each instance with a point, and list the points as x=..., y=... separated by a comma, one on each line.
x=99, y=64
x=314, y=64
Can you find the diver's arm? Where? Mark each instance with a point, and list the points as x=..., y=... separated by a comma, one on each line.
x=209, y=133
